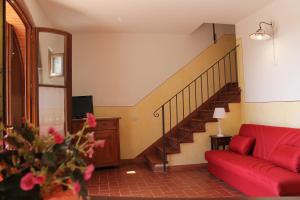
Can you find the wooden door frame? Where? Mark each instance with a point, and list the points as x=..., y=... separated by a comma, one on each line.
x=11, y=38
x=67, y=72
x=24, y=14
x=31, y=64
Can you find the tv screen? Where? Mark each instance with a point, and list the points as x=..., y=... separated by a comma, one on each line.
x=81, y=105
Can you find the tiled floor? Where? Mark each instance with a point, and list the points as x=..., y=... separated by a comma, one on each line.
x=191, y=183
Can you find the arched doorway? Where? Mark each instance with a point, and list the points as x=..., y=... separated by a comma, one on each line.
x=18, y=57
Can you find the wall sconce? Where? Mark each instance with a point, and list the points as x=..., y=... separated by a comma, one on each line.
x=261, y=34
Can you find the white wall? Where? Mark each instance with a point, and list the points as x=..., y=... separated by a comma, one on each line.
x=266, y=78
x=39, y=18
x=121, y=69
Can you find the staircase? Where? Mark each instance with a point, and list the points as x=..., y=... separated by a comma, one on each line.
x=187, y=112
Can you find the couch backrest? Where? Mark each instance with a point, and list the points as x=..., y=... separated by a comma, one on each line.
x=267, y=138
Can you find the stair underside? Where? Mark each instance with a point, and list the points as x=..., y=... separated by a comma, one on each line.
x=193, y=123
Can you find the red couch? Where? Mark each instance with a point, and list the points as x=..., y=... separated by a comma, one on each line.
x=256, y=174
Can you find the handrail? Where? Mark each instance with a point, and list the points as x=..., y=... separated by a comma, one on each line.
x=193, y=84
x=157, y=114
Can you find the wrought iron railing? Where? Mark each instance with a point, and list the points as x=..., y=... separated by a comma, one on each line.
x=196, y=93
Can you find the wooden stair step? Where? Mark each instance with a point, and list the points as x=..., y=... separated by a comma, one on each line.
x=230, y=98
x=197, y=120
x=155, y=162
x=206, y=110
x=198, y=129
x=205, y=119
x=183, y=138
x=154, y=158
x=205, y=113
x=220, y=103
x=210, y=119
x=172, y=141
x=232, y=84
x=230, y=89
x=196, y=125
x=169, y=149
x=185, y=129
x=231, y=92
x=185, y=135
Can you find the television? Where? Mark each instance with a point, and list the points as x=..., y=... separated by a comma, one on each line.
x=81, y=105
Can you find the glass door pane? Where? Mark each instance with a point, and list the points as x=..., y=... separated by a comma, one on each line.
x=51, y=61
x=54, y=83
x=52, y=109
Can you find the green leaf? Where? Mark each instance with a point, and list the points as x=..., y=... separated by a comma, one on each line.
x=78, y=176
x=28, y=134
x=14, y=141
x=49, y=159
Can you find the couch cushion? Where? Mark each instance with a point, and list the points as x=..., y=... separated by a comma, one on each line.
x=267, y=138
x=288, y=157
x=241, y=144
x=265, y=173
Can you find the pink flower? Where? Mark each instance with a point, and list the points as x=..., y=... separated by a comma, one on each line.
x=58, y=138
x=90, y=152
x=40, y=180
x=76, y=187
x=27, y=182
x=51, y=130
x=99, y=143
x=91, y=137
x=91, y=120
x=88, y=172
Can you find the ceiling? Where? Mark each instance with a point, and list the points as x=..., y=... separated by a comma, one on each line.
x=145, y=16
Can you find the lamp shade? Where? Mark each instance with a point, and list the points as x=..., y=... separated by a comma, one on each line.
x=219, y=113
x=260, y=34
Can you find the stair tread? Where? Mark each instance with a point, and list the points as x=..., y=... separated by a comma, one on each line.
x=197, y=120
x=185, y=129
x=206, y=110
x=236, y=91
x=210, y=119
x=169, y=149
x=185, y=140
x=220, y=101
x=154, y=158
x=180, y=139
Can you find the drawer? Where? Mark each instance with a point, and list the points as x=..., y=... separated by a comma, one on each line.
x=107, y=125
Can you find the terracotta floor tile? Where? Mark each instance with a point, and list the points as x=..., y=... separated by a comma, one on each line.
x=179, y=184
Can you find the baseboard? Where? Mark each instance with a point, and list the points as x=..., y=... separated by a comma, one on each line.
x=133, y=161
x=187, y=167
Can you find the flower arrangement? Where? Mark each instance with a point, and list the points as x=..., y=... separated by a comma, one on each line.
x=33, y=166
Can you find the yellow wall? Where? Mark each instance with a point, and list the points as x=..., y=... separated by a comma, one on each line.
x=269, y=113
x=138, y=128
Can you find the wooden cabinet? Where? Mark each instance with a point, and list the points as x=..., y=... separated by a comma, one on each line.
x=108, y=130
